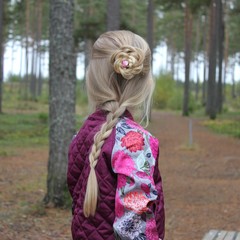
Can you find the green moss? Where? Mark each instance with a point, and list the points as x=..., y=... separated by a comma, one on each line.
x=225, y=126
x=23, y=130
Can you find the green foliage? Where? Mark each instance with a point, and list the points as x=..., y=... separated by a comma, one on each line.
x=13, y=78
x=23, y=130
x=232, y=103
x=176, y=99
x=17, y=13
x=134, y=16
x=43, y=117
x=14, y=98
x=225, y=126
x=170, y=29
x=195, y=5
x=89, y=19
x=26, y=123
x=168, y=94
x=163, y=91
x=81, y=93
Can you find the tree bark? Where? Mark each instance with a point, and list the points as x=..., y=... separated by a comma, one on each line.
x=1, y=53
x=188, y=47
x=226, y=47
x=206, y=54
x=196, y=52
x=150, y=15
x=61, y=98
x=233, y=89
x=27, y=48
x=87, y=54
x=39, y=37
x=225, y=62
x=220, y=34
x=113, y=15
x=211, y=90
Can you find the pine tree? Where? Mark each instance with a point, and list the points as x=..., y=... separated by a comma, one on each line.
x=61, y=97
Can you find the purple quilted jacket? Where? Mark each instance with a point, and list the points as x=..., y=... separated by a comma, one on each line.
x=100, y=227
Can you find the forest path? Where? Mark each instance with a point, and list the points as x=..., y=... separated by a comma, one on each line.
x=201, y=183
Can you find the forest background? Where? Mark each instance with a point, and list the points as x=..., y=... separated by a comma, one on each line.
x=201, y=37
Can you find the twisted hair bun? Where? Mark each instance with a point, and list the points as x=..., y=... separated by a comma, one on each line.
x=128, y=61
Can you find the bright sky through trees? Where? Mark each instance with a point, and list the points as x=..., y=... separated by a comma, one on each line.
x=12, y=63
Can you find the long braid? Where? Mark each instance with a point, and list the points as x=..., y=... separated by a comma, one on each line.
x=90, y=201
x=118, y=78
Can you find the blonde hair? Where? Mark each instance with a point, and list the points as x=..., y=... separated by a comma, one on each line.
x=118, y=79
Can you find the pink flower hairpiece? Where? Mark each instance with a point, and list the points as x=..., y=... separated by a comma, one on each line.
x=125, y=64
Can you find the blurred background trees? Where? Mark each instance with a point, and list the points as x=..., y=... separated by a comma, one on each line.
x=201, y=38
x=1, y=52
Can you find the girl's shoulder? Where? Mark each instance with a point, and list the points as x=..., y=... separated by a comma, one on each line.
x=134, y=137
x=126, y=124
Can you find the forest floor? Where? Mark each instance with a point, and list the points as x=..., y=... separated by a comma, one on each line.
x=201, y=185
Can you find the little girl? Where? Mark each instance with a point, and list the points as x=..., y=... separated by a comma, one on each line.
x=113, y=174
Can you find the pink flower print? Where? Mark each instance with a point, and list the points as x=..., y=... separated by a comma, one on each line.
x=133, y=141
x=119, y=208
x=136, y=201
x=122, y=163
x=142, y=174
x=151, y=229
x=133, y=124
x=154, y=146
x=122, y=181
x=145, y=188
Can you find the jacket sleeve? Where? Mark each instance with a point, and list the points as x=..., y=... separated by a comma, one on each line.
x=137, y=196
x=159, y=209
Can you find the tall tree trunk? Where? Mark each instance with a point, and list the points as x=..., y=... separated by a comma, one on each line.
x=21, y=84
x=1, y=53
x=220, y=34
x=12, y=64
x=61, y=98
x=39, y=36
x=26, y=48
x=87, y=53
x=113, y=15
x=211, y=89
x=173, y=54
x=150, y=37
x=167, y=57
x=196, y=51
x=188, y=47
x=33, y=80
x=33, y=72
x=233, y=90
x=206, y=54
x=226, y=48
x=150, y=16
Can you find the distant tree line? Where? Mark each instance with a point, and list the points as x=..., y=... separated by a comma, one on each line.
x=195, y=31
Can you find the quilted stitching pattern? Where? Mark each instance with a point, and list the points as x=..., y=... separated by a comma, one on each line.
x=100, y=226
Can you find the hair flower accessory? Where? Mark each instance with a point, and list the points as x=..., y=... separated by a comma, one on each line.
x=128, y=61
x=125, y=64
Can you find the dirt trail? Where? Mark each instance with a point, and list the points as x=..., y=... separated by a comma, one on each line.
x=201, y=185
